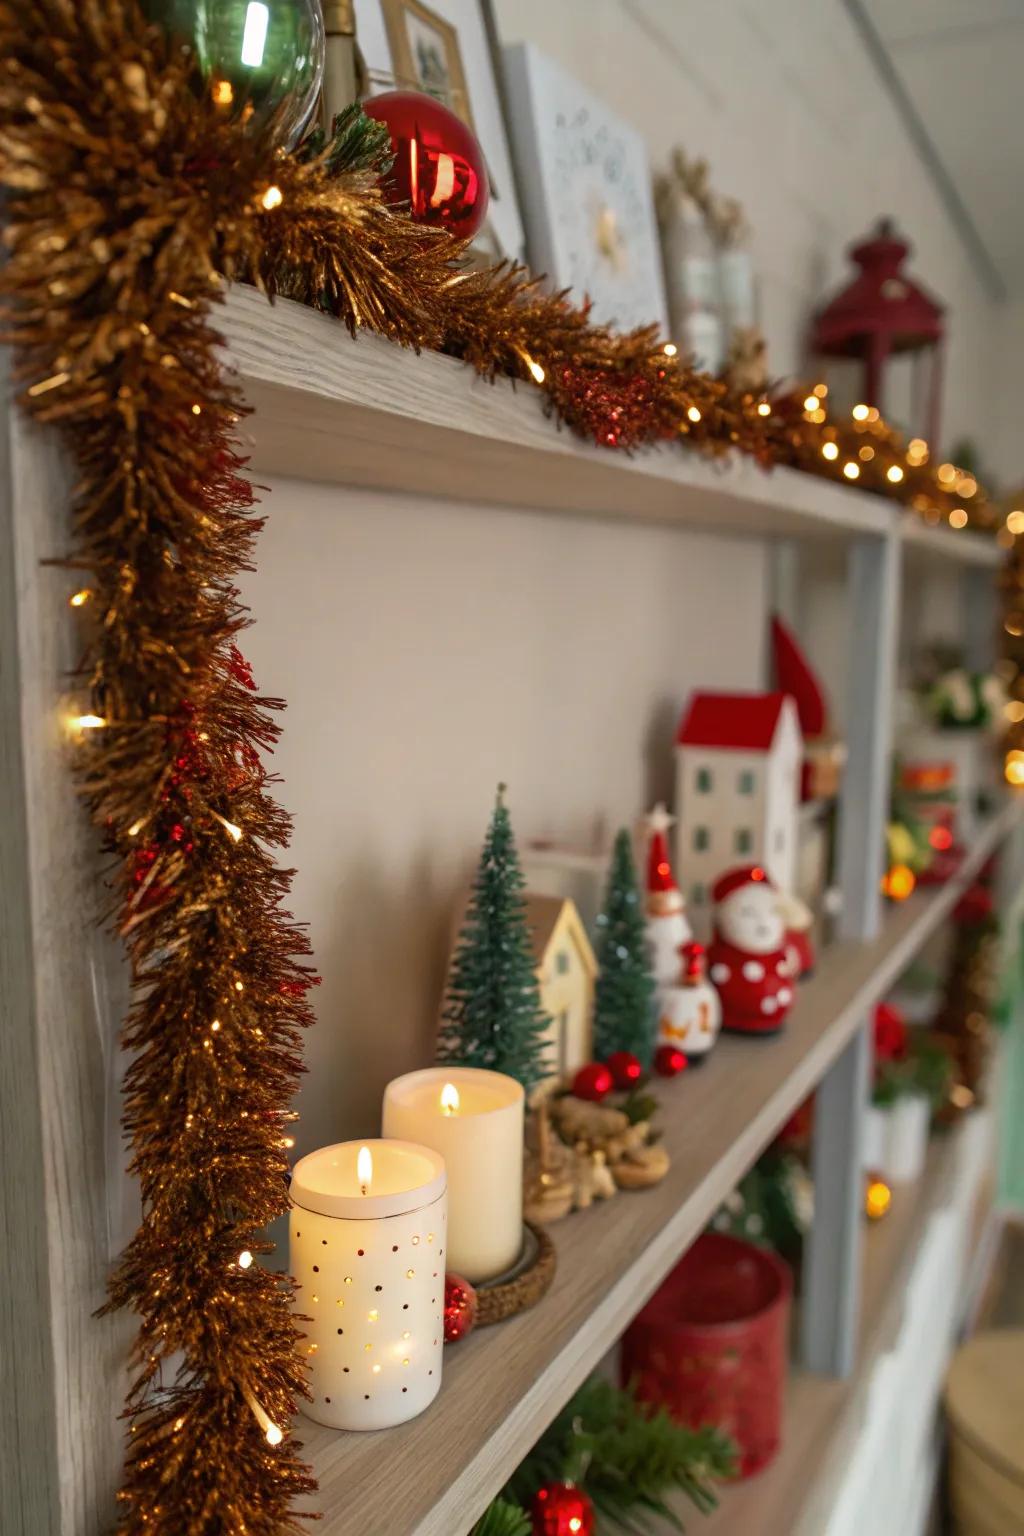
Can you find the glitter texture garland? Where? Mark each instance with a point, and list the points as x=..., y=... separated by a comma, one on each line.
x=129, y=202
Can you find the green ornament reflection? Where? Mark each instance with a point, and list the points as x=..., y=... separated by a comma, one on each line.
x=258, y=59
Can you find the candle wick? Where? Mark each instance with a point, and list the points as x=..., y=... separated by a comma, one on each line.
x=363, y=1188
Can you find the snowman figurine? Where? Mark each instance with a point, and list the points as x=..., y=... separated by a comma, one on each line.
x=689, y=1011
x=664, y=910
x=748, y=959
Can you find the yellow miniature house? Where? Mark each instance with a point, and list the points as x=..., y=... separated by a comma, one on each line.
x=566, y=972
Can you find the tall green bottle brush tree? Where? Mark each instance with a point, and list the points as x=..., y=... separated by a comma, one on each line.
x=492, y=1014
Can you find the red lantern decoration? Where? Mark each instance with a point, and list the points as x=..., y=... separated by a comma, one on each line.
x=883, y=313
x=593, y=1082
x=562, y=1509
x=625, y=1069
x=439, y=170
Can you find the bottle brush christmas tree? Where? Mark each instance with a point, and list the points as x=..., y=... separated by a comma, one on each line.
x=624, y=997
x=492, y=1015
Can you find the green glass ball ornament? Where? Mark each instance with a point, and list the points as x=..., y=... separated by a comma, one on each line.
x=259, y=60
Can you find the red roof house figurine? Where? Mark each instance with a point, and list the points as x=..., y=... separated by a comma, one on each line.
x=738, y=758
x=880, y=314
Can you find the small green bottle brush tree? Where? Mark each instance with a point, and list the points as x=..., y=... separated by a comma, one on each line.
x=624, y=997
x=492, y=1014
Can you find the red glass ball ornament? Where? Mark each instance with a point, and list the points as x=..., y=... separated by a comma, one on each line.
x=439, y=171
x=669, y=1061
x=593, y=1082
x=562, y=1509
x=625, y=1069
x=459, y=1308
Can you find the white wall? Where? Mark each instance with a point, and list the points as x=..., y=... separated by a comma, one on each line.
x=788, y=109
x=427, y=651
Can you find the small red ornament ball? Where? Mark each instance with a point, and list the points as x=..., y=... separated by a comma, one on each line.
x=594, y=1082
x=459, y=1308
x=562, y=1509
x=625, y=1069
x=439, y=171
x=669, y=1061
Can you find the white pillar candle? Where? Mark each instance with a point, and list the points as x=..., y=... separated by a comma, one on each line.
x=368, y=1249
x=474, y=1119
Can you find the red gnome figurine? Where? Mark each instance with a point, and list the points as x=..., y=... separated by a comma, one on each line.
x=747, y=960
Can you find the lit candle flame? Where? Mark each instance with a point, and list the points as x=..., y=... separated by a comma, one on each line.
x=449, y=1099
x=364, y=1168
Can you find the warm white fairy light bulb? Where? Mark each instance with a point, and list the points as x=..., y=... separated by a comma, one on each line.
x=233, y=831
x=273, y=1432
x=244, y=1259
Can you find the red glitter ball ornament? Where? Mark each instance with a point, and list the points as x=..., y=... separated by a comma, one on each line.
x=459, y=1308
x=562, y=1509
x=439, y=170
x=625, y=1069
x=593, y=1082
x=669, y=1061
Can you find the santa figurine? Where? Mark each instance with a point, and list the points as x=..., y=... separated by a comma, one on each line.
x=666, y=925
x=748, y=959
x=689, y=1011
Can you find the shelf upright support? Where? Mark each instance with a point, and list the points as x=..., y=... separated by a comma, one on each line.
x=829, y=1317
x=978, y=600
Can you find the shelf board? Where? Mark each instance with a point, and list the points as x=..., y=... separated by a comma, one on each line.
x=502, y=1386
x=370, y=414
x=792, y=1496
x=943, y=543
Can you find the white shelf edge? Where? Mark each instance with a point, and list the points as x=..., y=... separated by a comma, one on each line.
x=961, y=546
x=368, y=413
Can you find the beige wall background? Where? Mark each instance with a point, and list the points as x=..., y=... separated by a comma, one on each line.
x=426, y=652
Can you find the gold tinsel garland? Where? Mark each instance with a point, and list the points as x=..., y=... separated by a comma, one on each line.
x=128, y=204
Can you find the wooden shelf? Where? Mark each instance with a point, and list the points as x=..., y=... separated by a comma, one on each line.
x=433, y=1476
x=943, y=543
x=368, y=414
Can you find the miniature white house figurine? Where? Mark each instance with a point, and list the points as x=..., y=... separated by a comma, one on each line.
x=738, y=760
x=664, y=908
x=566, y=972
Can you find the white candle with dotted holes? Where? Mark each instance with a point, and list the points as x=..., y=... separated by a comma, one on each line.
x=368, y=1243
x=474, y=1119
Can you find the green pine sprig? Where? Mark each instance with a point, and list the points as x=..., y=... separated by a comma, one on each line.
x=357, y=143
x=503, y=1518
x=627, y=1457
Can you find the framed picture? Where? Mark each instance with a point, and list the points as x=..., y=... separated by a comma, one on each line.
x=444, y=50
x=587, y=196
x=425, y=54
